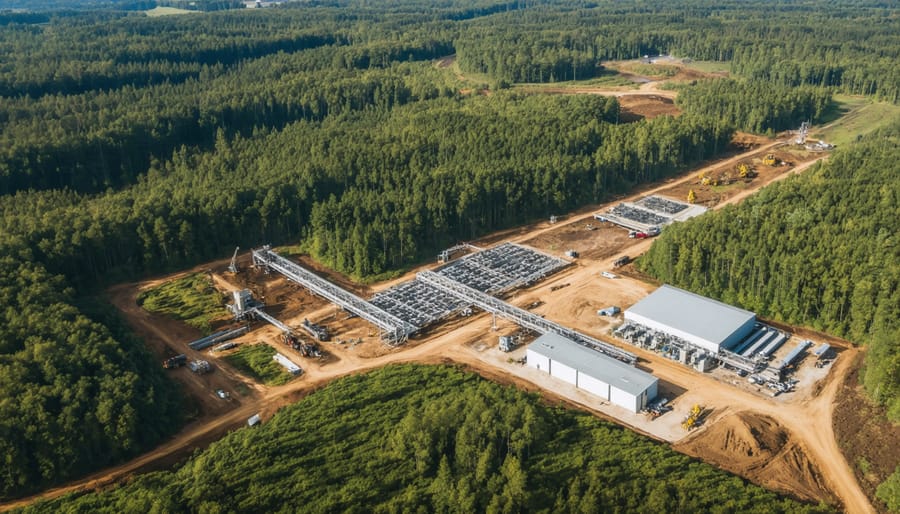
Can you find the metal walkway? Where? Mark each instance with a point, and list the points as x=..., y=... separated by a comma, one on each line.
x=519, y=316
x=393, y=328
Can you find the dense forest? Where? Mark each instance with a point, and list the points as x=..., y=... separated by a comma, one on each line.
x=76, y=394
x=433, y=439
x=754, y=106
x=819, y=249
x=852, y=46
x=131, y=145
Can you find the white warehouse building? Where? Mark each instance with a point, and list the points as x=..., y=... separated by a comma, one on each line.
x=621, y=384
x=700, y=321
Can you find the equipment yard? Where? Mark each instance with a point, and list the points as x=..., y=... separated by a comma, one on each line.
x=784, y=443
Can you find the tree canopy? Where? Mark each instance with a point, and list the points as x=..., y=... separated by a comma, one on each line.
x=433, y=439
x=819, y=249
x=131, y=145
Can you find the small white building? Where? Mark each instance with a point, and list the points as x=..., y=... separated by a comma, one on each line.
x=590, y=370
x=291, y=368
x=701, y=321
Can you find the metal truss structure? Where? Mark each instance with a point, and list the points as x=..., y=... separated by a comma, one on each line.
x=519, y=316
x=261, y=314
x=393, y=329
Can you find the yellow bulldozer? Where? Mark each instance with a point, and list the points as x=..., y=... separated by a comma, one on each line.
x=745, y=170
x=692, y=418
x=706, y=180
x=769, y=160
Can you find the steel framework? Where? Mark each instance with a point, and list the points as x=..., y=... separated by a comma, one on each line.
x=278, y=324
x=738, y=361
x=393, y=328
x=519, y=316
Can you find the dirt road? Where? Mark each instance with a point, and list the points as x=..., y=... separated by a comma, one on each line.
x=809, y=422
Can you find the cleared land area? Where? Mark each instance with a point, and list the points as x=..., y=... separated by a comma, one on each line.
x=167, y=11
x=858, y=117
x=742, y=427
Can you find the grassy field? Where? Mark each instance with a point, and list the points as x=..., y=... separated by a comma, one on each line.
x=256, y=361
x=167, y=11
x=651, y=70
x=192, y=299
x=854, y=118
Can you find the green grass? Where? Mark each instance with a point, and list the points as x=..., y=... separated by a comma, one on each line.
x=653, y=70
x=256, y=361
x=709, y=66
x=192, y=299
x=851, y=118
x=166, y=11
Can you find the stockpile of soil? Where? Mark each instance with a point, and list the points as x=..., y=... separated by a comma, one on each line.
x=756, y=447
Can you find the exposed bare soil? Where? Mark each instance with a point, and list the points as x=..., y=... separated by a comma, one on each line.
x=791, y=441
x=649, y=106
x=864, y=434
x=757, y=447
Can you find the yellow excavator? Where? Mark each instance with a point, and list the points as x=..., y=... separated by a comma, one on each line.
x=745, y=170
x=691, y=420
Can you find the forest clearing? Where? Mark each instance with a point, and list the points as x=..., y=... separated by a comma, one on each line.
x=472, y=243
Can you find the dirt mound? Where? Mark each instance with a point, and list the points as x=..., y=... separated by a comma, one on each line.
x=635, y=107
x=757, y=448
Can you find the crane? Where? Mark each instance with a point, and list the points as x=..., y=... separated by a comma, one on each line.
x=233, y=266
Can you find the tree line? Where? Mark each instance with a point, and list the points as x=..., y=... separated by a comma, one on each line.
x=819, y=249
x=434, y=439
x=851, y=47
x=130, y=145
x=78, y=392
x=754, y=105
x=367, y=191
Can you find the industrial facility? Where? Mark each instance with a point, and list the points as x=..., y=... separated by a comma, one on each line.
x=610, y=379
x=700, y=321
x=703, y=333
x=473, y=281
x=649, y=214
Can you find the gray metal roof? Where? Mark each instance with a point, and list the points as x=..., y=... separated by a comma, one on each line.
x=593, y=363
x=698, y=315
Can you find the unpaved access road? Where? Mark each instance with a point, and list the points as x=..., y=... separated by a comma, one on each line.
x=809, y=421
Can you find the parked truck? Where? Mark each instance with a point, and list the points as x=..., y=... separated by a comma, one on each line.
x=175, y=362
x=621, y=261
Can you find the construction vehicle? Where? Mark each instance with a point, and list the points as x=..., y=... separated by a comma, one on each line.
x=507, y=343
x=200, y=367
x=232, y=267
x=690, y=422
x=769, y=160
x=745, y=170
x=317, y=331
x=175, y=362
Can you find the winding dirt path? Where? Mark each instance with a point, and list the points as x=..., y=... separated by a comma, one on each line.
x=809, y=421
